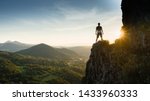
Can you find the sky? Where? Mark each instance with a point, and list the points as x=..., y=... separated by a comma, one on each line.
x=59, y=22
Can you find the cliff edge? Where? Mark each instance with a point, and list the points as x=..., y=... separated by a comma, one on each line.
x=99, y=68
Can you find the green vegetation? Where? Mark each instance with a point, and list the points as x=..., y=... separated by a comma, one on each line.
x=16, y=68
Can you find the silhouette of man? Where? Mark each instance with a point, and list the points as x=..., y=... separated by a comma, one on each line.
x=99, y=32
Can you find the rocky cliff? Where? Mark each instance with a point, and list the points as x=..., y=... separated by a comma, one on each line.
x=99, y=68
x=136, y=21
x=135, y=11
x=128, y=59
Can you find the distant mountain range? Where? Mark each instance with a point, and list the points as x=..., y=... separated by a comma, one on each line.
x=46, y=51
x=83, y=51
x=13, y=46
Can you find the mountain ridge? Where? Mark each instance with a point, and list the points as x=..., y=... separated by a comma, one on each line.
x=46, y=51
x=41, y=50
x=13, y=46
x=83, y=51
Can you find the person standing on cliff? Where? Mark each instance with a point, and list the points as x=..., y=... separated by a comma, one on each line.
x=99, y=32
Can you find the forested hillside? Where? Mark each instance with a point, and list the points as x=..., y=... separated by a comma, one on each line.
x=16, y=68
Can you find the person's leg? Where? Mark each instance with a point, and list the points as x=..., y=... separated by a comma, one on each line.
x=101, y=37
x=97, y=37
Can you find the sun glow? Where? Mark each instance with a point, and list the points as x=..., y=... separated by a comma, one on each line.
x=122, y=31
x=115, y=36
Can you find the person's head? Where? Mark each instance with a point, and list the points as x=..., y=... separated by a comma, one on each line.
x=99, y=24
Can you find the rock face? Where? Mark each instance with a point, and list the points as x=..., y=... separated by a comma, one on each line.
x=136, y=21
x=135, y=11
x=99, y=68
